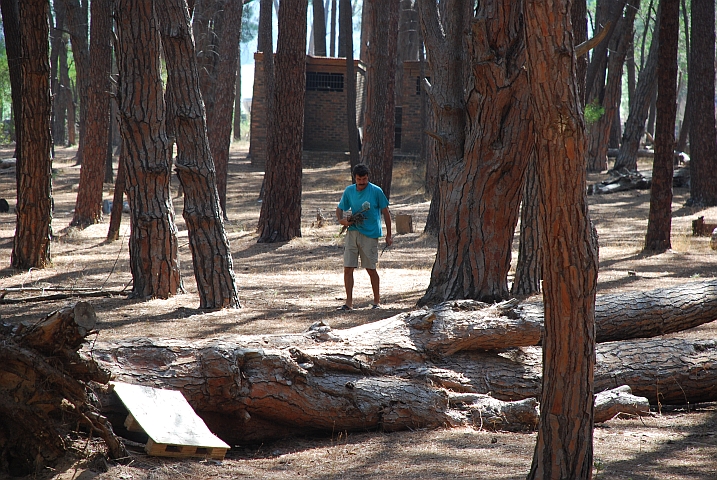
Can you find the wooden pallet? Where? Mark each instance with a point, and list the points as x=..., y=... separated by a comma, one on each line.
x=173, y=428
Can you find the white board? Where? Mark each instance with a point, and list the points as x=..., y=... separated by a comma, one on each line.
x=166, y=417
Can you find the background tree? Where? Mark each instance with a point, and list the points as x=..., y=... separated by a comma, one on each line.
x=639, y=107
x=660, y=219
x=606, y=97
x=88, y=207
x=33, y=231
x=280, y=217
x=529, y=266
x=11, y=29
x=212, y=260
x=248, y=32
x=703, y=134
x=153, y=239
x=77, y=25
x=57, y=31
x=564, y=447
x=380, y=117
x=480, y=182
x=218, y=25
x=353, y=133
x=319, y=27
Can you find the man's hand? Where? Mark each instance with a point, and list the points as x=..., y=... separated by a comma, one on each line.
x=389, y=240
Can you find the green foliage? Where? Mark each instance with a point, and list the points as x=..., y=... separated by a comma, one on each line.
x=249, y=22
x=593, y=112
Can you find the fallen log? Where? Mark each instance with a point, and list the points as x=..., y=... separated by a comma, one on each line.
x=45, y=390
x=401, y=372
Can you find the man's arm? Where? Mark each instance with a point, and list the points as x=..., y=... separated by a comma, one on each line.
x=341, y=219
x=387, y=218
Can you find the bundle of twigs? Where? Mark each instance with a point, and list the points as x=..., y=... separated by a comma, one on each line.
x=357, y=218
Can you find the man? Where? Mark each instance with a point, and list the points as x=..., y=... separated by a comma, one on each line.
x=365, y=200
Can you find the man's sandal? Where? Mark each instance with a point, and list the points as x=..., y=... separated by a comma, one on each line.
x=344, y=308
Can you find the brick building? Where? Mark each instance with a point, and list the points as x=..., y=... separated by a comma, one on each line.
x=325, y=131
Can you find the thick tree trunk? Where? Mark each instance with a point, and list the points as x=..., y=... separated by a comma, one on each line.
x=380, y=117
x=703, y=133
x=280, y=217
x=569, y=248
x=44, y=390
x=212, y=260
x=639, y=106
x=33, y=231
x=424, y=368
x=153, y=240
x=481, y=188
x=88, y=207
x=659, y=225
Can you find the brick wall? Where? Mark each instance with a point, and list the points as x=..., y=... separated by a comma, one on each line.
x=411, y=124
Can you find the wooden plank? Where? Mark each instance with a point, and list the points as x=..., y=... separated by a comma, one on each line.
x=131, y=424
x=183, y=451
x=169, y=421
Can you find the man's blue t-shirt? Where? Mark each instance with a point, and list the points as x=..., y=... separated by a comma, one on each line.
x=372, y=197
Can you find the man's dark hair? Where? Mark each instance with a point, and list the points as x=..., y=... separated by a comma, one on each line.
x=361, y=170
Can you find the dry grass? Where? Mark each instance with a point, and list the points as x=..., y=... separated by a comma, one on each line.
x=286, y=287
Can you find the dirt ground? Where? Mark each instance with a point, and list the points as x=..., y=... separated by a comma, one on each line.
x=285, y=287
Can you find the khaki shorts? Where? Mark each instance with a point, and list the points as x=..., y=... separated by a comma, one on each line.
x=359, y=245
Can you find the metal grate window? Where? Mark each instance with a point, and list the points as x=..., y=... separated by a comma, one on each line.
x=326, y=82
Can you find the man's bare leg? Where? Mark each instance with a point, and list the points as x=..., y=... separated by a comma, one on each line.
x=349, y=286
x=375, y=285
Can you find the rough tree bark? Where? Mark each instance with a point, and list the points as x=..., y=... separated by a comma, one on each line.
x=480, y=181
x=88, y=207
x=659, y=224
x=380, y=117
x=280, y=217
x=211, y=256
x=528, y=269
x=569, y=248
x=703, y=133
x=428, y=368
x=33, y=231
x=153, y=240
x=219, y=108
